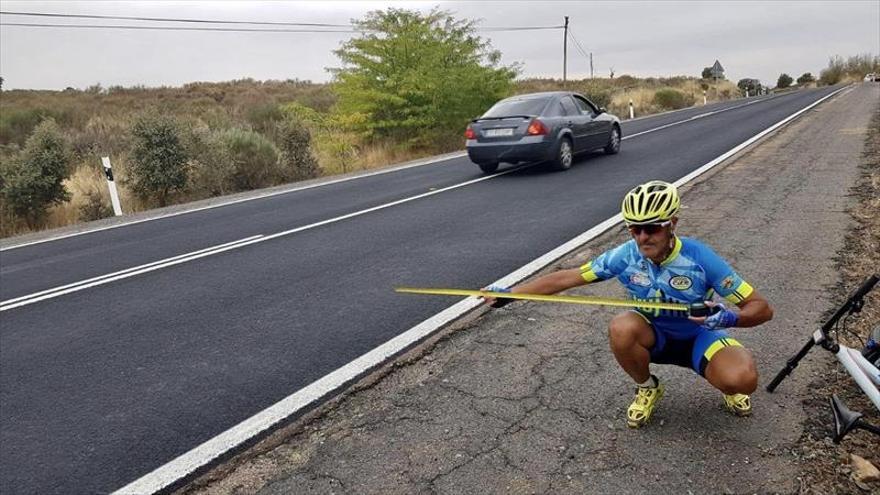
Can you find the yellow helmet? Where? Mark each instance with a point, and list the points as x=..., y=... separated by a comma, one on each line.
x=651, y=202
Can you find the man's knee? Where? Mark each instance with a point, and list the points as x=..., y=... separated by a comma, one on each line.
x=627, y=330
x=734, y=374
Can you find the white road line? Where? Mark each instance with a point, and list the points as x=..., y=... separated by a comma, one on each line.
x=183, y=258
x=184, y=465
x=695, y=117
x=243, y=200
x=123, y=274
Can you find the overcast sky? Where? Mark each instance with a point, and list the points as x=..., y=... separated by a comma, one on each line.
x=751, y=39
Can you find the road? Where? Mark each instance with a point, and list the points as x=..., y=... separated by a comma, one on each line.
x=100, y=386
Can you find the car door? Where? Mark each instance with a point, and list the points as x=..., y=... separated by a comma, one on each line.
x=577, y=121
x=596, y=131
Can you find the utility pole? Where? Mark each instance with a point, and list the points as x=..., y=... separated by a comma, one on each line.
x=591, y=65
x=565, y=53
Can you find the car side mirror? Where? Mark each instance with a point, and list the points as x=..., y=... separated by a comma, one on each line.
x=602, y=110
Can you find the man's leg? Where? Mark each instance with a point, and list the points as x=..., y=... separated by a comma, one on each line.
x=631, y=339
x=732, y=371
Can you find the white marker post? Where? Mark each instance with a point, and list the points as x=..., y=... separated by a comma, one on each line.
x=704, y=97
x=114, y=195
x=631, y=113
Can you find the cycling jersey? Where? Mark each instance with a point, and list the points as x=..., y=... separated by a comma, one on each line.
x=691, y=273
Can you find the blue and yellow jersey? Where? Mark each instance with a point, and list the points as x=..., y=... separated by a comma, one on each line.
x=693, y=272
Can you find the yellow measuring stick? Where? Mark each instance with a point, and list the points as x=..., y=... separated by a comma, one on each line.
x=602, y=301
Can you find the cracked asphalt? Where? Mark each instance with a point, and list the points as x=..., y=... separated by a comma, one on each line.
x=529, y=399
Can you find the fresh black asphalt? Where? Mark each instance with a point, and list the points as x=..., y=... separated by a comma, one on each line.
x=101, y=386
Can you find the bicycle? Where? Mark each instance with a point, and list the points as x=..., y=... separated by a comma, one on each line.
x=863, y=367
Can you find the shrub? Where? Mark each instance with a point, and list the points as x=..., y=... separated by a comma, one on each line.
x=254, y=158
x=159, y=160
x=784, y=81
x=297, y=161
x=211, y=167
x=671, y=99
x=34, y=180
x=94, y=207
x=17, y=124
x=806, y=78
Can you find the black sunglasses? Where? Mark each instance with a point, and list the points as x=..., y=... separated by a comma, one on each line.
x=648, y=228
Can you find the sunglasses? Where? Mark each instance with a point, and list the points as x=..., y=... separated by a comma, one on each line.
x=648, y=228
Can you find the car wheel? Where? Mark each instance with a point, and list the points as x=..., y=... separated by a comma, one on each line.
x=564, y=155
x=613, y=146
x=488, y=168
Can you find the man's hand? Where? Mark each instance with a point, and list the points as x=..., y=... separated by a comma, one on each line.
x=497, y=302
x=724, y=318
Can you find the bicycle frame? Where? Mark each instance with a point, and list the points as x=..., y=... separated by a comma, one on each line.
x=865, y=374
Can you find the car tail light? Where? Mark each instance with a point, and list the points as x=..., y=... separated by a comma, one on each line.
x=537, y=128
x=469, y=133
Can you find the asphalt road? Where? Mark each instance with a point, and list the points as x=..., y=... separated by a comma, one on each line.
x=100, y=386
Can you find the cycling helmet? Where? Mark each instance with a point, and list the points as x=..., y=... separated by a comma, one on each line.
x=651, y=202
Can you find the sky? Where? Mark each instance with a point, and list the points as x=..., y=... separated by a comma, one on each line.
x=751, y=39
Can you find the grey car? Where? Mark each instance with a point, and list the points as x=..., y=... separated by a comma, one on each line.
x=551, y=126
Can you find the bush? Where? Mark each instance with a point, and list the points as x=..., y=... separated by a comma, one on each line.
x=806, y=78
x=297, y=161
x=34, y=180
x=159, y=160
x=211, y=167
x=254, y=158
x=17, y=124
x=95, y=207
x=671, y=99
x=784, y=81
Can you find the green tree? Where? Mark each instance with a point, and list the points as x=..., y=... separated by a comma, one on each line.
x=707, y=73
x=34, y=179
x=413, y=76
x=159, y=158
x=806, y=78
x=752, y=85
x=296, y=158
x=784, y=81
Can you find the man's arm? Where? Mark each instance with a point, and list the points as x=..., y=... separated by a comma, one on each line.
x=754, y=310
x=548, y=284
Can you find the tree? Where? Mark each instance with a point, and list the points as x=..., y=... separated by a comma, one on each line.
x=159, y=159
x=34, y=180
x=784, y=81
x=753, y=86
x=806, y=78
x=707, y=73
x=415, y=76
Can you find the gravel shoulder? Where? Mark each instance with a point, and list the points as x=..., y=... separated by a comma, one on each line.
x=529, y=399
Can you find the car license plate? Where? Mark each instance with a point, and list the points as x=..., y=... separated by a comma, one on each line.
x=499, y=132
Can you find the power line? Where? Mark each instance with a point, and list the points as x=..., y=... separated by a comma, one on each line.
x=173, y=28
x=578, y=45
x=211, y=21
x=166, y=19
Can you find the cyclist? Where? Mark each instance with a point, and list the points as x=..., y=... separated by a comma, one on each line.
x=658, y=265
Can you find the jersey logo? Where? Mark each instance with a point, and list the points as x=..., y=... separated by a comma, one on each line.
x=727, y=283
x=640, y=279
x=680, y=282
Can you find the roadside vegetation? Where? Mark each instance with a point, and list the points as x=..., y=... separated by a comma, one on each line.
x=405, y=89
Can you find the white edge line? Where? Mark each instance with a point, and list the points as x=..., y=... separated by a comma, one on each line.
x=186, y=464
x=427, y=161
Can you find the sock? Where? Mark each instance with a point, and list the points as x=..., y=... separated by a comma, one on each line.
x=651, y=382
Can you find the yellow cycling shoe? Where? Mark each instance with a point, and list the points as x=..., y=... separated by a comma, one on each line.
x=640, y=411
x=738, y=404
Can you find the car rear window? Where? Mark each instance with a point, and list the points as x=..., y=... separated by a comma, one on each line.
x=531, y=106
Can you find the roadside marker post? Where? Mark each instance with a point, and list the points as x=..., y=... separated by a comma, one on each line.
x=114, y=195
x=631, y=113
x=704, y=97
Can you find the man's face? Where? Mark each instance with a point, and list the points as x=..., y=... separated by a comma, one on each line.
x=653, y=239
